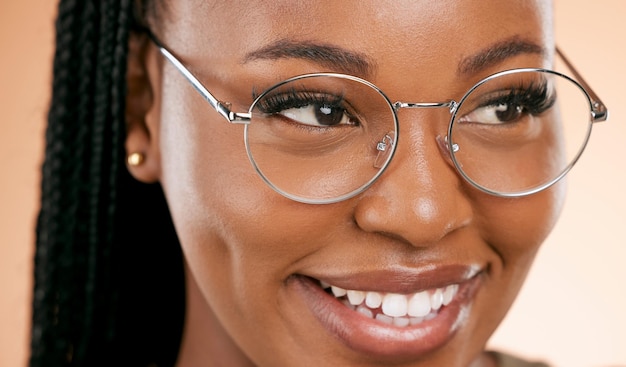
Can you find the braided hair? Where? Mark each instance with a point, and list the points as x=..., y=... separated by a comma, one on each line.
x=109, y=284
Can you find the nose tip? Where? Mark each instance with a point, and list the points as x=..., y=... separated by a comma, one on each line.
x=419, y=198
x=421, y=219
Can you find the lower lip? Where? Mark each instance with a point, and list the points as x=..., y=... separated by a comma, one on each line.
x=374, y=339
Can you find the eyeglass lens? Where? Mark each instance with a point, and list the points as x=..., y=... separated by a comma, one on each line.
x=321, y=137
x=519, y=132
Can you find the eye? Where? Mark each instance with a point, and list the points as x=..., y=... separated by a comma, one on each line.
x=495, y=114
x=316, y=114
x=311, y=109
x=510, y=106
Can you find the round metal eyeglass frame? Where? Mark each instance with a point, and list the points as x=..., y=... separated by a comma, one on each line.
x=598, y=113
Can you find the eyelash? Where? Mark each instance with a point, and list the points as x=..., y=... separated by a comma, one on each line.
x=296, y=99
x=535, y=98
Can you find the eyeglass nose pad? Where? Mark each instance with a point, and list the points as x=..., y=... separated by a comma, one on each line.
x=384, y=149
x=444, y=147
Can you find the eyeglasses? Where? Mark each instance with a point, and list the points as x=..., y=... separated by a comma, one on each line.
x=326, y=137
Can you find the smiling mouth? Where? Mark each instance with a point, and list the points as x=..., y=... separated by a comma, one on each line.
x=400, y=310
x=391, y=316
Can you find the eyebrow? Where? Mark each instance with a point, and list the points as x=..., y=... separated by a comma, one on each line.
x=331, y=56
x=356, y=63
x=497, y=53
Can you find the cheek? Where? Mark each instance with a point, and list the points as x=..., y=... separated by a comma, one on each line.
x=513, y=231
x=216, y=202
x=204, y=160
x=516, y=228
x=240, y=239
x=207, y=179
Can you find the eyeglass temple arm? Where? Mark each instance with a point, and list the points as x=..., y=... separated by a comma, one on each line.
x=220, y=107
x=599, y=111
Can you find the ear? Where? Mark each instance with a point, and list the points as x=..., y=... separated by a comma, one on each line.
x=142, y=78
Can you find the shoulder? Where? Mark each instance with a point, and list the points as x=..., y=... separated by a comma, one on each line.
x=507, y=360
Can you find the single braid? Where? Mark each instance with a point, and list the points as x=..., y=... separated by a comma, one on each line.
x=109, y=286
x=55, y=229
x=97, y=171
x=118, y=135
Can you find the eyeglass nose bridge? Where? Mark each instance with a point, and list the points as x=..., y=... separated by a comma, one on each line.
x=451, y=104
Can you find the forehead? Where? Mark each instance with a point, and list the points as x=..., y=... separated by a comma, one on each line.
x=412, y=24
x=400, y=36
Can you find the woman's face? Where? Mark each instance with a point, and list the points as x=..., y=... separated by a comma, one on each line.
x=419, y=235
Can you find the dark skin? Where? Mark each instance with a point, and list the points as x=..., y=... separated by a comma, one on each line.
x=245, y=246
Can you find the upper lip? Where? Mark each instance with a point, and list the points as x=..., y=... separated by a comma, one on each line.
x=403, y=280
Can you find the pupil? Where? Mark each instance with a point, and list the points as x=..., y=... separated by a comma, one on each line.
x=328, y=115
x=508, y=112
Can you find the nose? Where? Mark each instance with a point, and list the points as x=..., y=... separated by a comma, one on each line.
x=420, y=197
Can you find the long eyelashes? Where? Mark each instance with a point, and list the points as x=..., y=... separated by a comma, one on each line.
x=278, y=102
x=534, y=98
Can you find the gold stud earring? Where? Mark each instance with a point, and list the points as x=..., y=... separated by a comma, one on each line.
x=135, y=159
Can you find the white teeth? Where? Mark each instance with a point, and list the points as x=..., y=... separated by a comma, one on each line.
x=356, y=297
x=419, y=305
x=384, y=318
x=449, y=293
x=395, y=305
x=401, y=321
x=365, y=311
x=338, y=292
x=436, y=300
x=373, y=299
x=397, y=321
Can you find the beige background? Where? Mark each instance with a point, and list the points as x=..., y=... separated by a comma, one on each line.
x=572, y=310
